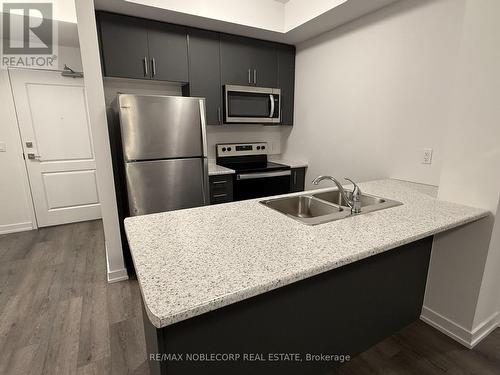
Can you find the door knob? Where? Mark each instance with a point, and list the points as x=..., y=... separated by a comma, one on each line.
x=32, y=156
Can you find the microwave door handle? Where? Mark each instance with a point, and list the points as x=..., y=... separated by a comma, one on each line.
x=271, y=114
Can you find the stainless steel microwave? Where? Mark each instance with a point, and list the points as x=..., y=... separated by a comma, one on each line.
x=251, y=105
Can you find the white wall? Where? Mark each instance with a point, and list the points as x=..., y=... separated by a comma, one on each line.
x=70, y=56
x=298, y=12
x=370, y=95
x=15, y=204
x=263, y=14
x=464, y=275
x=215, y=134
x=244, y=133
x=113, y=86
x=15, y=199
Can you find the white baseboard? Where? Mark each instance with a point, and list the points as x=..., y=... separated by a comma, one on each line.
x=468, y=338
x=18, y=227
x=485, y=328
x=118, y=275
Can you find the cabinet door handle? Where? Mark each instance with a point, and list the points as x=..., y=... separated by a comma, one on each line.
x=153, y=66
x=295, y=178
x=219, y=182
x=249, y=76
x=255, y=76
x=218, y=115
x=145, y=63
x=219, y=195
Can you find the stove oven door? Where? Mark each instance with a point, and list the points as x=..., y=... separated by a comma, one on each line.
x=261, y=184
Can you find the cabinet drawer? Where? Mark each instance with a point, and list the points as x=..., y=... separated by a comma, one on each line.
x=221, y=189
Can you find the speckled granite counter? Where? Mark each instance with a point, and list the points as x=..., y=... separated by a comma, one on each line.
x=291, y=163
x=215, y=170
x=189, y=262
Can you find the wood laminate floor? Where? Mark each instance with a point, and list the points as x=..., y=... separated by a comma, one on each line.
x=58, y=315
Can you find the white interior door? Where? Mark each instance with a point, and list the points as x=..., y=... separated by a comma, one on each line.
x=57, y=142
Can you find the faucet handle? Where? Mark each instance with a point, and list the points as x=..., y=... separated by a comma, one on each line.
x=356, y=191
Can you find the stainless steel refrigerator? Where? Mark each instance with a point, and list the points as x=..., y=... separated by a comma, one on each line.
x=163, y=141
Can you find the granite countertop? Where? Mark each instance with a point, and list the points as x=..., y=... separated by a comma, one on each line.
x=214, y=169
x=192, y=261
x=291, y=163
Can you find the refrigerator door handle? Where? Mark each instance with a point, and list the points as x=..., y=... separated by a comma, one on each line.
x=203, y=124
x=206, y=184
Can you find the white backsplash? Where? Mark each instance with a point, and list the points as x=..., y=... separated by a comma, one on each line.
x=215, y=134
x=113, y=86
x=244, y=133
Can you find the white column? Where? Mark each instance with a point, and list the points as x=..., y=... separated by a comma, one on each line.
x=463, y=295
x=89, y=47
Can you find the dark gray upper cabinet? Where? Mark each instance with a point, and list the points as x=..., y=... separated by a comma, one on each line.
x=124, y=46
x=246, y=61
x=168, y=52
x=236, y=60
x=136, y=48
x=204, y=72
x=264, y=63
x=139, y=48
x=286, y=81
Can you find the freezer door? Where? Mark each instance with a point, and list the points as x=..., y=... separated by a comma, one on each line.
x=162, y=127
x=166, y=185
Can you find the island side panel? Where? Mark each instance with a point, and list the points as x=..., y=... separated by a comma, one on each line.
x=343, y=311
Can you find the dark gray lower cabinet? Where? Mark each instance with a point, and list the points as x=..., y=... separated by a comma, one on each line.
x=221, y=188
x=286, y=81
x=339, y=312
x=297, y=180
x=204, y=72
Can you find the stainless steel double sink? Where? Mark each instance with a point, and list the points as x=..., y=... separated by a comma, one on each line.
x=319, y=208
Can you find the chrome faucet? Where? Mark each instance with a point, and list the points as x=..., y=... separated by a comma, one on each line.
x=355, y=202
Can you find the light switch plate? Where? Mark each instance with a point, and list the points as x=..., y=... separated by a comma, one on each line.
x=3, y=147
x=427, y=156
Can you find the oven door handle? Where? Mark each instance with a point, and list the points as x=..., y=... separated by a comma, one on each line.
x=251, y=176
x=271, y=112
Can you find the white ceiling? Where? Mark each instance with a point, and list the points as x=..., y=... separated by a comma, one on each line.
x=287, y=21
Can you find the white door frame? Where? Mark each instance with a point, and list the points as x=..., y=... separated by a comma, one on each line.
x=27, y=182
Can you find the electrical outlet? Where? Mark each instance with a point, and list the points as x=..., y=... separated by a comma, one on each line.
x=3, y=147
x=427, y=156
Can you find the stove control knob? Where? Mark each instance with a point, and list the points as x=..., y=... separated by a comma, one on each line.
x=223, y=149
x=229, y=148
x=258, y=147
x=263, y=147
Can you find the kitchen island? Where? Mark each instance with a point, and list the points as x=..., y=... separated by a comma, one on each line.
x=241, y=278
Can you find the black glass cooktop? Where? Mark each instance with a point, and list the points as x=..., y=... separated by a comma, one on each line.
x=250, y=164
